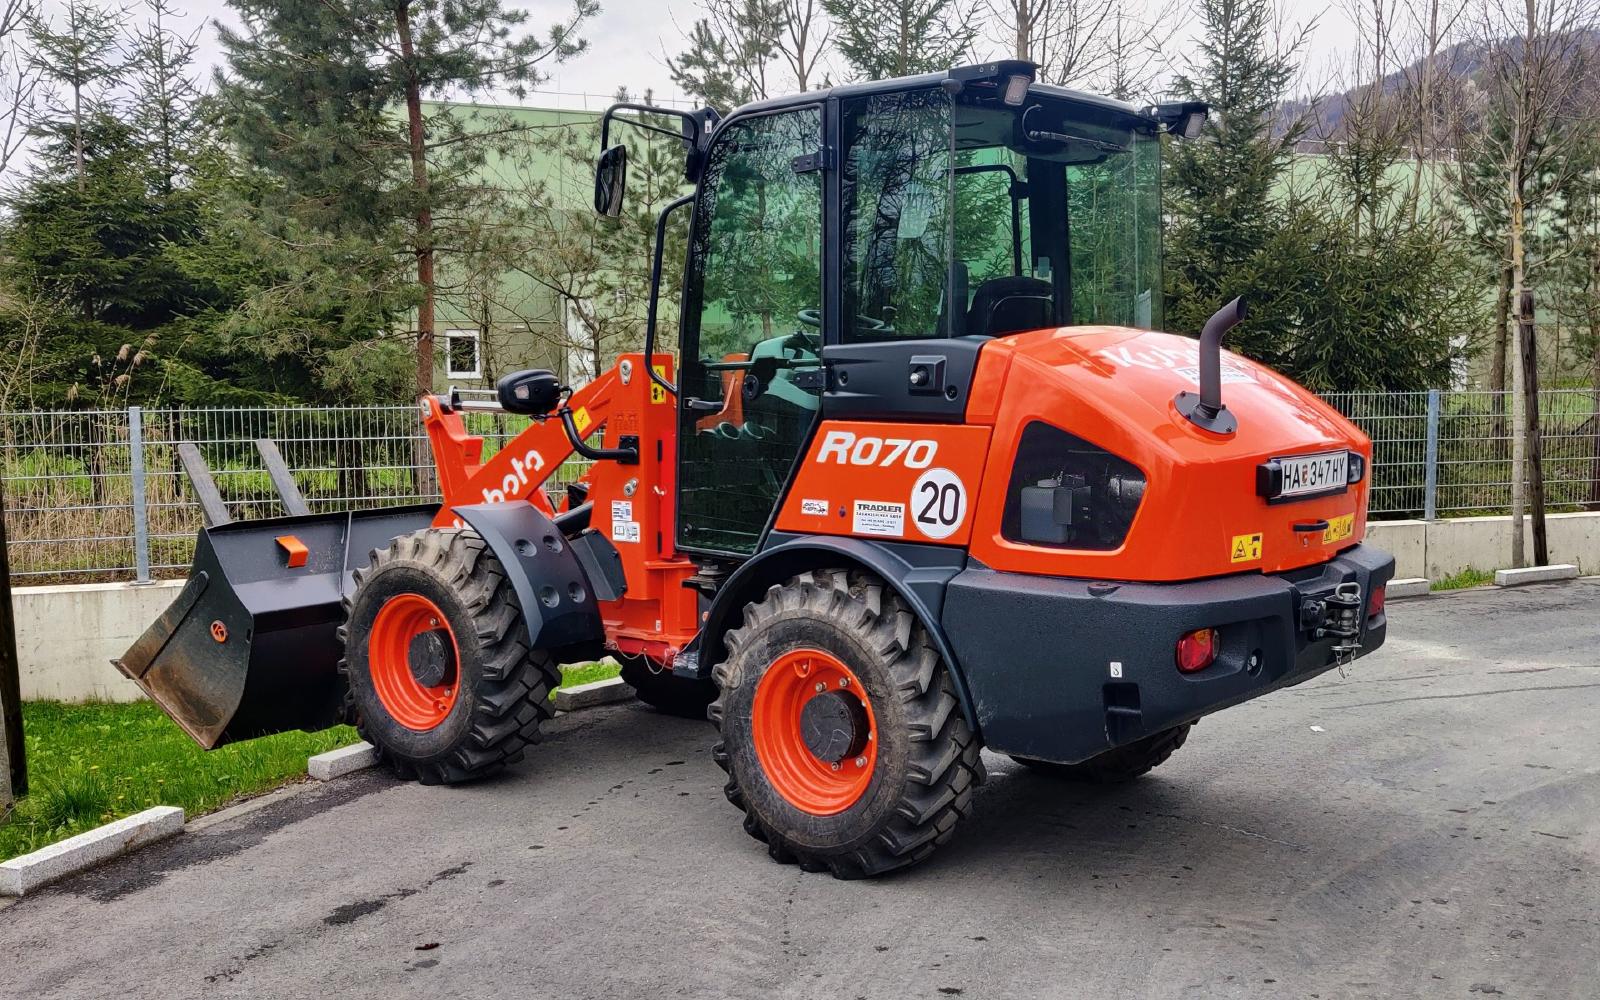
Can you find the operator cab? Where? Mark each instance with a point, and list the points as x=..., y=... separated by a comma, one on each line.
x=963, y=205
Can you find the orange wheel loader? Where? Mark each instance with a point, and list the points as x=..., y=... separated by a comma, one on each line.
x=921, y=478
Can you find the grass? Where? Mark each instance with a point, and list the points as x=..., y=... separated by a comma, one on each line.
x=587, y=673
x=1464, y=579
x=90, y=764
x=94, y=763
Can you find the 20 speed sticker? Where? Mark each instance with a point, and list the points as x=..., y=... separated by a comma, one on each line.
x=938, y=503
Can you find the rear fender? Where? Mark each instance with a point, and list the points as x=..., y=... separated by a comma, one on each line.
x=917, y=573
x=557, y=600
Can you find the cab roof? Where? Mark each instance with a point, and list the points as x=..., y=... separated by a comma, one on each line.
x=925, y=80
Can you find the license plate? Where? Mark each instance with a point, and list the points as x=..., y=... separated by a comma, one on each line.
x=1310, y=475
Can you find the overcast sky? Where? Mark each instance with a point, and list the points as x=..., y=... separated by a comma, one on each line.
x=630, y=38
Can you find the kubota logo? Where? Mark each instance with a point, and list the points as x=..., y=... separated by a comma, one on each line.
x=846, y=448
x=516, y=480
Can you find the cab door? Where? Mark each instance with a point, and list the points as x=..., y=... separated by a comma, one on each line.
x=751, y=339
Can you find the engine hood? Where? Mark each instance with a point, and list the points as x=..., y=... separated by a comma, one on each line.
x=1114, y=387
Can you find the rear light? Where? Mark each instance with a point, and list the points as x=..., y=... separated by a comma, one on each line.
x=1375, y=602
x=1197, y=650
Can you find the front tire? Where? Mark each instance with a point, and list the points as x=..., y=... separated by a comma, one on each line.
x=439, y=674
x=841, y=733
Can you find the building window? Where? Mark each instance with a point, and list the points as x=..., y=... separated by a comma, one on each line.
x=462, y=359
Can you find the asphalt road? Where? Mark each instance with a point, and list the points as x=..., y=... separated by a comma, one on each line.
x=1428, y=827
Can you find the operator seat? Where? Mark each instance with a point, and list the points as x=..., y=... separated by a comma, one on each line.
x=1010, y=305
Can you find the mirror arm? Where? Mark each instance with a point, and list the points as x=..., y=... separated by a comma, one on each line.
x=655, y=293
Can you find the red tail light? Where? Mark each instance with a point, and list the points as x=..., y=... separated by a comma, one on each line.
x=1375, y=602
x=1197, y=649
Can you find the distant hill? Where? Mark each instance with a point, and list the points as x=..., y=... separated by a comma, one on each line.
x=1455, y=65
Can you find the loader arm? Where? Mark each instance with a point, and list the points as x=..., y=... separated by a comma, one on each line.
x=518, y=470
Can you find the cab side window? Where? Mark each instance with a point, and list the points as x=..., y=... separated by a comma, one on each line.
x=753, y=303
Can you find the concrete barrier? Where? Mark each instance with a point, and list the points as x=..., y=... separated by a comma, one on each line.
x=67, y=636
x=1437, y=549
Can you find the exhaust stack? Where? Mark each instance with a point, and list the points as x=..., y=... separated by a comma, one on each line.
x=1206, y=409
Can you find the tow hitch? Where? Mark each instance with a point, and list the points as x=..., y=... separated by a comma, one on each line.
x=1337, y=615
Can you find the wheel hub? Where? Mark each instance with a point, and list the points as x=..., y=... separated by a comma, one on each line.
x=834, y=726
x=412, y=660
x=432, y=657
x=812, y=728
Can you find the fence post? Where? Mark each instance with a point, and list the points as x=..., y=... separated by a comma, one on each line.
x=141, y=512
x=1430, y=471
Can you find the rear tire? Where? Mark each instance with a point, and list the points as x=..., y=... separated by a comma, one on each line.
x=900, y=786
x=1122, y=764
x=485, y=702
x=661, y=690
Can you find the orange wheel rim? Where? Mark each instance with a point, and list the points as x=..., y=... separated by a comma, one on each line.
x=822, y=784
x=401, y=621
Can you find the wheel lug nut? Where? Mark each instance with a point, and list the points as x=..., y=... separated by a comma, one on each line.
x=861, y=762
x=834, y=765
x=821, y=686
x=434, y=622
x=844, y=682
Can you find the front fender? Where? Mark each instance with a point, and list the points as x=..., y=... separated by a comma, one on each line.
x=917, y=573
x=557, y=600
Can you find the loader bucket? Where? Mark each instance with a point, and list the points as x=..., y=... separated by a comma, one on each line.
x=250, y=647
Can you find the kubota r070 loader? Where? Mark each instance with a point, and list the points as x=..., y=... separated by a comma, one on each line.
x=920, y=479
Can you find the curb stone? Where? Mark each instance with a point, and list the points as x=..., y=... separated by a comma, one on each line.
x=20, y=876
x=1534, y=574
x=343, y=761
x=604, y=692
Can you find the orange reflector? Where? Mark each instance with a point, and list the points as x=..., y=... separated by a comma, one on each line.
x=296, y=549
x=1197, y=650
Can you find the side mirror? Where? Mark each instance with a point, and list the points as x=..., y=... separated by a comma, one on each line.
x=532, y=393
x=610, y=179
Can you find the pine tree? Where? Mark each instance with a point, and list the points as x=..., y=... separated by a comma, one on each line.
x=328, y=96
x=166, y=105
x=749, y=50
x=730, y=52
x=1229, y=235
x=888, y=38
x=80, y=67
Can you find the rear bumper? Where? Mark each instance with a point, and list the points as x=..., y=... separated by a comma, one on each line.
x=1041, y=656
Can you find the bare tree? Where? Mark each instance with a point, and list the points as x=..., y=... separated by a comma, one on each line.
x=1536, y=55
x=1107, y=45
x=19, y=77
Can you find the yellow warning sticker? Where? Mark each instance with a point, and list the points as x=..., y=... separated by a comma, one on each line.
x=658, y=394
x=1245, y=548
x=1339, y=528
x=580, y=420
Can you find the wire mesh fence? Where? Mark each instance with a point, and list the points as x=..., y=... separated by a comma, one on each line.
x=1448, y=454
x=100, y=495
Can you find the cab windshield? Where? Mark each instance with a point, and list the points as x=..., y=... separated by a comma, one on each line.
x=964, y=218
